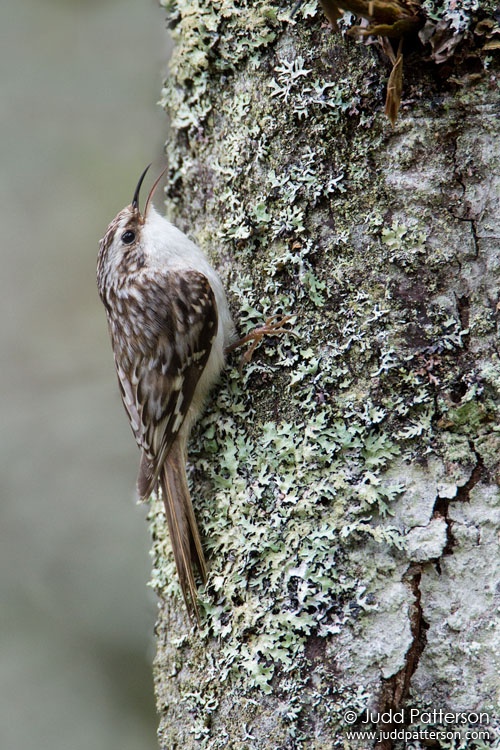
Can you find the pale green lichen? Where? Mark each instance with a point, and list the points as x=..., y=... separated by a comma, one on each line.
x=279, y=163
x=457, y=13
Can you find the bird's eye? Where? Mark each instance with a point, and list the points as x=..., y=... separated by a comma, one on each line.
x=128, y=237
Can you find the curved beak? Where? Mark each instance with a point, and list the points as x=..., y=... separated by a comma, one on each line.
x=153, y=189
x=135, y=199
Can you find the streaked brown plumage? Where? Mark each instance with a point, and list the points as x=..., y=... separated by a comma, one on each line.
x=170, y=324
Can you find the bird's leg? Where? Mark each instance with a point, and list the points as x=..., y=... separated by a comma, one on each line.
x=273, y=326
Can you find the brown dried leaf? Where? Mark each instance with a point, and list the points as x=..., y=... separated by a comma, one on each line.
x=331, y=11
x=392, y=18
x=485, y=27
x=444, y=41
x=394, y=90
x=495, y=44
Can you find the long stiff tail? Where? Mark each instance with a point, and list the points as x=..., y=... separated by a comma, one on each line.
x=184, y=535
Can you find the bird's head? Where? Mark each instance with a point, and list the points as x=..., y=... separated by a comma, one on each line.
x=123, y=249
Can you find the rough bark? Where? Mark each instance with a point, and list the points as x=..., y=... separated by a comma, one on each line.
x=346, y=482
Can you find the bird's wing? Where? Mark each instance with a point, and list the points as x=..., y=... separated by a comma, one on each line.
x=161, y=362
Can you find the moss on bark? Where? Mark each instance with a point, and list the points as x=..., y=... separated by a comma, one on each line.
x=346, y=481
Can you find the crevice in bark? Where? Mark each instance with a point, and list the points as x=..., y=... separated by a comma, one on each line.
x=478, y=472
x=463, y=308
x=473, y=229
x=395, y=689
x=442, y=504
x=440, y=510
x=474, y=237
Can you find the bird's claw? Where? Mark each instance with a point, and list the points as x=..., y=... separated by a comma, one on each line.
x=273, y=326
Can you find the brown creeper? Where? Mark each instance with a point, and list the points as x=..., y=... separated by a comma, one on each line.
x=170, y=324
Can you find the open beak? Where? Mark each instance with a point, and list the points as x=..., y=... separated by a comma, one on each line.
x=153, y=189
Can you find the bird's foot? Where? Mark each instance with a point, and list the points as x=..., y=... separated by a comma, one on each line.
x=273, y=326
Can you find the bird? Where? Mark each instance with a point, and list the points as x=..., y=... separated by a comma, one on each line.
x=170, y=326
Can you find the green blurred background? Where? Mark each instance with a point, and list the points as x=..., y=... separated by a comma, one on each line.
x=79, y=121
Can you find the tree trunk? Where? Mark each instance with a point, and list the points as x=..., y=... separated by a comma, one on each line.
x=346, y=481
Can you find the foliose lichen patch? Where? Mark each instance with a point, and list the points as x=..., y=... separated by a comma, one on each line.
x=310, y=465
